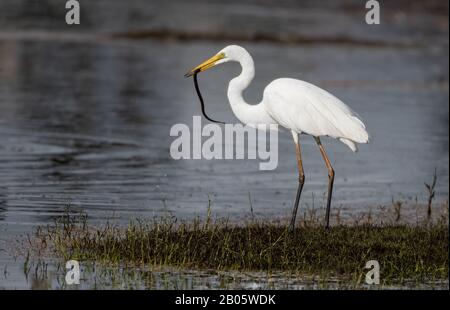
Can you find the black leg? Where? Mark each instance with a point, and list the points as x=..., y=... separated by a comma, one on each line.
x=297, y=201
x=301, y=181
x=330, y=180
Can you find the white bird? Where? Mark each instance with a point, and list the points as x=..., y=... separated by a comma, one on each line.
x=296, y=105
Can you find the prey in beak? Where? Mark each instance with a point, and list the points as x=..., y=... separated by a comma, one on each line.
x=206, y=65
x=202, y=67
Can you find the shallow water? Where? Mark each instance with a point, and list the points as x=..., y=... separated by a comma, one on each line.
x=85, y=116
x=41, y=275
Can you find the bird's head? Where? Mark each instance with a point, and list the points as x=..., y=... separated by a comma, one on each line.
x=229, y=53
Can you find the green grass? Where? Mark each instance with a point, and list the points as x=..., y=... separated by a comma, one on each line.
x=405, y=252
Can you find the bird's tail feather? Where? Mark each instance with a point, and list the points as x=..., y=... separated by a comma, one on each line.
x=350, y=144
x=359, y=133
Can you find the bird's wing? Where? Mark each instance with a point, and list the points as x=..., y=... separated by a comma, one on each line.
x=304, y=107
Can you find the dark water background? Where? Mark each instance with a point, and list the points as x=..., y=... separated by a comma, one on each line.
x=85, y=111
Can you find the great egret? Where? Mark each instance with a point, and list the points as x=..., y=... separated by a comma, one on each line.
x=296, y=105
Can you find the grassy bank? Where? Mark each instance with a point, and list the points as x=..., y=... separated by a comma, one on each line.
x=405, y=252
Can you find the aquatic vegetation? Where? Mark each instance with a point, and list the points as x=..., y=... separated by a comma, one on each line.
x=405, y=252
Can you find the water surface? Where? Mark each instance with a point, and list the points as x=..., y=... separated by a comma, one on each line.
x=85, y=115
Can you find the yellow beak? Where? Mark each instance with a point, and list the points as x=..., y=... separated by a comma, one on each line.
x=206, y=64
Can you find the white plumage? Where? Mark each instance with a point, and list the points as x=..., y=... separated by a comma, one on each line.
x=306, y=108
x=296, y=105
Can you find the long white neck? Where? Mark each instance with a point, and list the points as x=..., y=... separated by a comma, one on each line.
x=246, y=113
